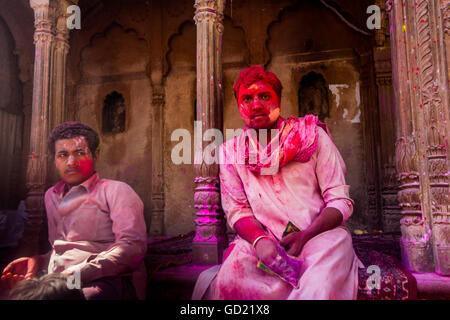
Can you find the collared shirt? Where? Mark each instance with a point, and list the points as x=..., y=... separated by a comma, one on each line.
x=297, y=193
x=97, y=229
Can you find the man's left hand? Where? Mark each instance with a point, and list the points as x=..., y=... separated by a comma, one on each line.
x=294, y=242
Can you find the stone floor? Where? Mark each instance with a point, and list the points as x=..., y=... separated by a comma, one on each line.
x=175, y=278
x=172, y=275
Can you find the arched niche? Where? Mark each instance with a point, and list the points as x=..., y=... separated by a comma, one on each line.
x=116, y=51
x=182, y=48
x=313, y=96
x=114, y=114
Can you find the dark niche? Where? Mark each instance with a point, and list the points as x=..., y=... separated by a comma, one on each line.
x=313, y=96
x=113, y=115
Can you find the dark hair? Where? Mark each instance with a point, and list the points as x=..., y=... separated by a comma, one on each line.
x=69, y=130
x=48, y=287
x=254, y=74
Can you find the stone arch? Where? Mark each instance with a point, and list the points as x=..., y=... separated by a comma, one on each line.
x=10, y=86
x=179, y=113
x=235, y=49
x=236, y=56
x=313, y=19
x=182, y=47
x=272, y=25
x=123, y=47
x=22, y=34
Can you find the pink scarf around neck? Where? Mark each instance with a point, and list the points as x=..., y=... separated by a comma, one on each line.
x=297, y=140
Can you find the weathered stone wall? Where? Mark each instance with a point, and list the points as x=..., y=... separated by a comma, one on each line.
x=131, y=47
x=116, y=60
x=180, y=114
x=328, y=52
x=11, y=120
x=16, y=87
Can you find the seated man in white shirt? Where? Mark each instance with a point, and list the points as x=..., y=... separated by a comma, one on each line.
x=307, y=189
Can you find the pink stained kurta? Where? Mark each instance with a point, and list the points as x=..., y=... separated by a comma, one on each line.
x=297, y=193
x=98, y=229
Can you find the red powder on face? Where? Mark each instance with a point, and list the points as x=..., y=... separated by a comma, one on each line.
x=86, y=167
x=259, y=105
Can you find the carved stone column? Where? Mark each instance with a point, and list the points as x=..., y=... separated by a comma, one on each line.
x=421, y=97
x=58, y=75
x=386, y=110
x=369, y=115
x=157, y=215
x=51, y=48
x=431, y=21
x=210, y=238
x=44, y=15
x=61, y=49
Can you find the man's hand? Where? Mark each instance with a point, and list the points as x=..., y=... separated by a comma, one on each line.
x=294, y=242
x=19, y=269
x=266, y=250
x=328, y=219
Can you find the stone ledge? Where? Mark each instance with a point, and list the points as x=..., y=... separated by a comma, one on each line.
x=174, y=283
x=432, y=286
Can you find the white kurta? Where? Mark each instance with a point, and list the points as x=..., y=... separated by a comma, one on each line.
x=297, y=193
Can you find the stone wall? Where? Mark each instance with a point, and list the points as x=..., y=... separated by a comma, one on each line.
x=11, y=121
x=134, y=47
x=115, y=61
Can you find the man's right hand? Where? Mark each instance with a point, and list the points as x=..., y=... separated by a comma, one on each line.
x=266, y=250
x=19, y=269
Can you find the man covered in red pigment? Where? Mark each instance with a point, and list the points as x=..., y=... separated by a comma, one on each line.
x=307, y=189
x=96, y=226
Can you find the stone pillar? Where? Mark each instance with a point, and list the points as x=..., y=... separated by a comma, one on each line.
x=386, y=110
x=51, y=46
x=157, y=215
x=61, y=49
x=44, y=36
x=369, y=117
x=422, y=160
x=210, y=237
x=58, y=77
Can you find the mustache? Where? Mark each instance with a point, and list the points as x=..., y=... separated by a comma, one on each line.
x=71, y=170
